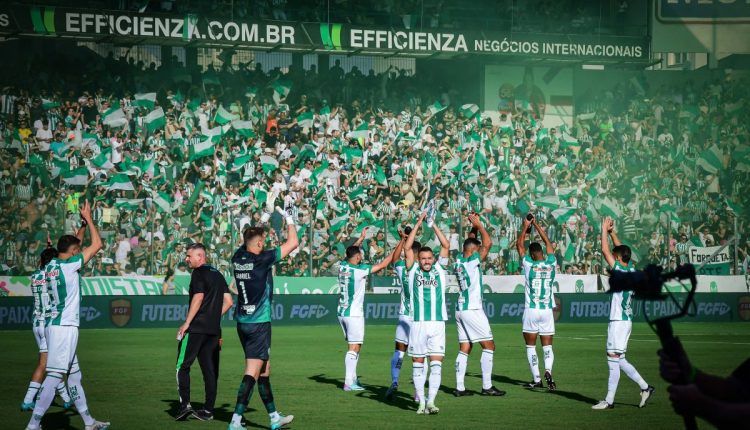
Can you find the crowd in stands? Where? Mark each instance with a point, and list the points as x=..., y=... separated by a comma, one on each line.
x=170, y=157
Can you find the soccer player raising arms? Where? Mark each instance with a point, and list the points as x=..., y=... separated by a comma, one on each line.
x=62, y=328
x=253, y=277
x=620, y=322
x=473, y=326
x=352, y=281
x=539, y=270
x=404, y=313
x=427, y=284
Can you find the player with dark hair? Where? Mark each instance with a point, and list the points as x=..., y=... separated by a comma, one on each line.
x=352, y=282
x=404, y=313
x=427, y=281
x=539, y=270
x=473, y=326
x=253, y=277
x=64, y=279
x=200, y=335
x=620, y=322
x=42, y=307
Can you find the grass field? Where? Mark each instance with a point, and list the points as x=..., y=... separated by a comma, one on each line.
x=129, y=378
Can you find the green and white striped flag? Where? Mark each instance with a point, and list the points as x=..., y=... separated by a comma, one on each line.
x=469, y=110
x=254, y=114
x=566, y=192
x=155, y=120
x=103, y=160
x=552, y=202
x=120, y=181
x=360, y=132
x=562, y=215
x=281, y=88
x=114, y=117
x=570, y=252
x=163, y=201
x=710, y=159
x=79, y=176
x=244, y=128
x=204, y=148
x=339, y=223
x=128, y=204
x=261, y=195
x=240, y=162
x=435, y=108
x=213, y=135
x=358, y=193
x=268, y=164
x=569, y=141
x=598, y=172
x=305, y=120
x=146, y=100
x=50, y=104
x=223, y=116
x=609, y=207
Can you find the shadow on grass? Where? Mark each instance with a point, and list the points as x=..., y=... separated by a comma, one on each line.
x=222, y=413
x=400, y=399
x=502, y=379
x=568, y=395
x=58, y=418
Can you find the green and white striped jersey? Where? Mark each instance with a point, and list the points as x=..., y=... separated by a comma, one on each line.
x=65, y=287
x=428, y=293
x=352, y=282
x=619, y=308
x=405, y=308
x=469, y=274
x=40, y=291
x=540, y=275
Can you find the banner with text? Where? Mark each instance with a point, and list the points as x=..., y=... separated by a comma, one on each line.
x=718, y=265
x=312, y=309
x=117, y=26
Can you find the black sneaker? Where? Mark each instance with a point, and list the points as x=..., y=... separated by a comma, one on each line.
x=203, y=415
x=463, y=393
x=492, y=391
x=184, y=412
x=534, y=385
x=550, y=382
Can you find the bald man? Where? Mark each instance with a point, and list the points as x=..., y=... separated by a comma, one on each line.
x=199, y=336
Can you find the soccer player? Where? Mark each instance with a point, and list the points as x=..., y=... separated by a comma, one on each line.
x=620, y=322
x=473, y=326
x=62, y=328
x=42, y=308
x=352, y=280
x=539, y=270
x=427, y=282
x=253, y=276
x=404, y=314
x=199, y=335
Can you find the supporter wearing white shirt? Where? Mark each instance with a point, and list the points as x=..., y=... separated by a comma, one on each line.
x=44, y=136
x=123, y=248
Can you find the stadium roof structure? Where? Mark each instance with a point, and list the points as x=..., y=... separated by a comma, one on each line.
x=130, y=28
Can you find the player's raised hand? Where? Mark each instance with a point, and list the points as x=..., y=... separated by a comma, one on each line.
x=474, y=220
x=527, y=221
x=86, y=211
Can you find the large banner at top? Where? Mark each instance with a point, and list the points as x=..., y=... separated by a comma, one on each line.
x=93, y=24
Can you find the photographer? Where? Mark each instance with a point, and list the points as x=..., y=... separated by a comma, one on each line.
x=724, y=402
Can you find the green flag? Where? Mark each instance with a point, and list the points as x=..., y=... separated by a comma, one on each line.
x=50, y=104
x=469, y=110
x=360, y=132
x=163, y=201
x=598, y=172
x=281, y=88
x=305, y=119
x=155, y=120
x=562, y=215
x=202, y=149
x=244, y=128
x=435, y=108
x=128, y=204
x=223, y=116
x=710, y=159
x=146, y=100
x=120, y=181
x=114, y=117
x=268, y=164
x=79, y=176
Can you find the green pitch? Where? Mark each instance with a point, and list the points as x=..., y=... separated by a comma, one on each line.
x=129, y=376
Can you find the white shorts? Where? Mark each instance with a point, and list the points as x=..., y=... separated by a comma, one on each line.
x=354, y=329
x=62, y=342
x=39, y=335
x=473, y=326
x=618, y=334
x=427, y=338
x=403, y=328
x=539, y=321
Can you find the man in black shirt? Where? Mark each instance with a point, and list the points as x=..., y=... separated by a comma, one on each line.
x=199, y=336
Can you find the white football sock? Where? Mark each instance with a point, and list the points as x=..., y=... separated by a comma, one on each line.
x=614, y=378
x=486, y=364
x=46, y=395
x=461, y=361
x=533, y=362
x=419, y=379
x=77, y=394
x=31, y=392
x=62, y=391
x=350, y=364
x=396, y=361
x=436, y=374
x=549, y=357
x=633, y=374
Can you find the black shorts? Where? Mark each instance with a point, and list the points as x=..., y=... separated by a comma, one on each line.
x=255, y=339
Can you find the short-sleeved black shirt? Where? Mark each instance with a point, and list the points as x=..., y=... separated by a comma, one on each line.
x=209, y=281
